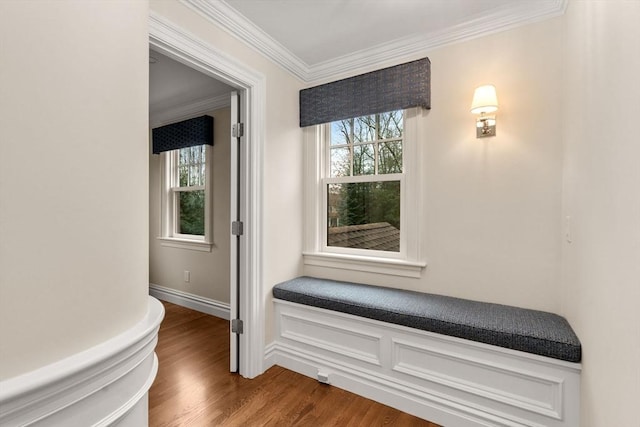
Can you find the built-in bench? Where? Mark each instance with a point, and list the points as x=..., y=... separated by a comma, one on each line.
x=453, y=361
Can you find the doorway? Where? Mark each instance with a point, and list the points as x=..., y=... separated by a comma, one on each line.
x=170, y=40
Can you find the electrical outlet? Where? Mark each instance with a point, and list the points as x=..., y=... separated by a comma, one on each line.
x=187, y=276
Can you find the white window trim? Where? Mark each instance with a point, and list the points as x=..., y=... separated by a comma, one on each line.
x=407, y=262
x=168, y=235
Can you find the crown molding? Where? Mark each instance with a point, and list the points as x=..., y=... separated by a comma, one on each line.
x=238, y=26
x=502, y=19
x=175, y=113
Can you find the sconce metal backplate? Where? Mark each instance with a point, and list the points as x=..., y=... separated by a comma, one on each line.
x=486, y=126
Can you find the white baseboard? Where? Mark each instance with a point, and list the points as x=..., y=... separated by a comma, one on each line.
x=102, y=386
x=269, y=356
x=194, y=302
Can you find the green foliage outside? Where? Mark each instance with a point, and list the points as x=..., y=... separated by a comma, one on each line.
x=367, y=202
x=192, y=212
x=370, y=202
x=191, y=169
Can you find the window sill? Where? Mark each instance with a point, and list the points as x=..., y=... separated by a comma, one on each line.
x=194, y=245
x=391, y=267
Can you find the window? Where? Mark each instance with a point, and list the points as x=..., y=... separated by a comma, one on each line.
x=364, y=181
x=186, y=198
x=363, y=194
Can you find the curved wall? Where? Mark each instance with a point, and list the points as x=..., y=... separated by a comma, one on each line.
x=73, y=177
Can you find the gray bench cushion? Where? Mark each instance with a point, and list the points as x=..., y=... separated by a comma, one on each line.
x=532, y=331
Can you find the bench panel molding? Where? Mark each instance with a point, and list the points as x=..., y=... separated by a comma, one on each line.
x=333, y=337
x=512, y=386
x=447, y=380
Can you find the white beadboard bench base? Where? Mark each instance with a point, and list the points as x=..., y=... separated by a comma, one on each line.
x=450, y=381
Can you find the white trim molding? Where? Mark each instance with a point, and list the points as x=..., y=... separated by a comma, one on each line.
x=104, y=385
x=173, y=41
x=194, y=302
x=409, y=261
x=511, y=16
x=238, y=26
x=270, y=355
x=194, y=245
x=449, y=381
x=514, y=15
x=391, y=267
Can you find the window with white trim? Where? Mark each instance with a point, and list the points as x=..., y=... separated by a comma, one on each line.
x=186, y=197
x=363, y=182
x=363, y=202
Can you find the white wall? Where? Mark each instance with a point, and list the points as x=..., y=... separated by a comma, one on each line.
x=491, y=222
x=73, y=177
x=601, y=266
x=209, y=270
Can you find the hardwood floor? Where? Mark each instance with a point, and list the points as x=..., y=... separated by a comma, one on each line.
x=194, y=387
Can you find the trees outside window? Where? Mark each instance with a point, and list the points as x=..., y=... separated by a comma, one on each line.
x=364, y=180
x=363, y=194
x=186, y=200
x=189, y=192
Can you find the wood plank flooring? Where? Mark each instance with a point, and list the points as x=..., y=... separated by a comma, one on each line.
x=194, y=388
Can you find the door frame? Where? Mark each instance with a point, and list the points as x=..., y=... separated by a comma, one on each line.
x=173, y=41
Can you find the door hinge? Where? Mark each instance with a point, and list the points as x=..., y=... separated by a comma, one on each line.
x=237, y=130
x=237, y=228
x=237, y=326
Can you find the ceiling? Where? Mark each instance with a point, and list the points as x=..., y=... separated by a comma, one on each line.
x=177, y=91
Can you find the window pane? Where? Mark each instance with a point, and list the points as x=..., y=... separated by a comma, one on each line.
x=364, y=129
x=364, y=215
x=191, y=166
x=184, y=176
x=390, y=125
x=375, y=142
x=390, y=157
x=195, y=154
x=340, y=161
x=364, y=160
x=341, y=131
x=194, y=175
x=191, y=212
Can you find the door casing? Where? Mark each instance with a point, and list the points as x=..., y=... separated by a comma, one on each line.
x=173, y=41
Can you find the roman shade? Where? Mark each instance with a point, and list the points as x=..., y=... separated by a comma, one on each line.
x=187, y=133
x=394, y=88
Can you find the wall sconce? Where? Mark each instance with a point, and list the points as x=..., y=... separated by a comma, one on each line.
x=485, y=101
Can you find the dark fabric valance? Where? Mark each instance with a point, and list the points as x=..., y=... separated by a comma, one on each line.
x=183, y=134
x=394, y=88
